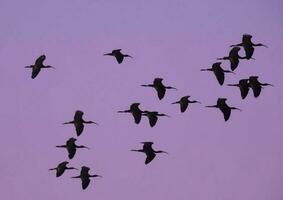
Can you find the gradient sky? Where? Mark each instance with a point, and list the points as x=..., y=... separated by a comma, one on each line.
x=209, y=159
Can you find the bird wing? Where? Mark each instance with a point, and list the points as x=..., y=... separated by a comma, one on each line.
x=35, y=71
x=119, y=58
x=149, y=157
x=39, y=60
x=219, y=76
x=79, y=128
x=226, y=110
x=160, y=92
x=85, y=182
x=72, y=152
x=152, y=120
x=184, y=106
x=137, y=116
x=256, y=89
x=244, y=91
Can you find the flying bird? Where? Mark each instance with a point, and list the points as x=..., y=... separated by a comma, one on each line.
x=38, y=65
x=244, y=87
x=184, y=102
x=224, y=108
x=218, y=72
x=135, y=111
x=149, y=151
x=85, y=176
x=248, y=45
x=233, y=58
x=71, y=147
x=118, y=55
x=256, y=85
x=159, y=87
x=79, y=122
x=153, y=116
x=61, y=168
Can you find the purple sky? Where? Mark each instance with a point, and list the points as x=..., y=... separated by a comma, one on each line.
x=208, y=159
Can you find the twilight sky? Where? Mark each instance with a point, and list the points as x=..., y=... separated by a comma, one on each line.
x=209, y=159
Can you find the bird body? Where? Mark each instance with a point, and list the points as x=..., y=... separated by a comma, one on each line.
x=233, y=57
x=71, y=147
x=224, y=108
x=61, y=168
x=149, y=151
x=135, y=111
x=85, y=176
x=159, y=87
x=38, y=65
x=184, y=102
x=118, y=55
x=79, y=122
x=218, y=72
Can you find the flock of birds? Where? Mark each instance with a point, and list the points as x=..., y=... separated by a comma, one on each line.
x=244, y=85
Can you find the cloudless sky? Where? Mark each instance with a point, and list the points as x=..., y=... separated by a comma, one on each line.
x=209, y=159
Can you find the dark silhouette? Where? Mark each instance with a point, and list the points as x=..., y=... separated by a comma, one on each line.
x=61, y=167
x=38, y=65
x=71, y=147
x=248, y=45
x=225, y=109
x=233, y=58
x=118, y=55
x=153, y=116
x=79, y=122
x=149, y=151
x=244, y=87
x=256, y=85
x=85, y=177
x=184, y=102
x=218, y=72
x=159, y=87
x=135, y=111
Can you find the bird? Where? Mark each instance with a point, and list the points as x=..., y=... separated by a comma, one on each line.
x=79, y=122
x=218, y=72
x=85, y=176
x=159, y=87
x=153, y=116
x=149, y=151
x=118, y=55
x=61, y=167
x=233, y=57
x=71, y=147
x=184, y=102
x=38, y=65
x=224, y=108
x=135, y=111
x=244, y=87
x=256, y=85
x=248, y=45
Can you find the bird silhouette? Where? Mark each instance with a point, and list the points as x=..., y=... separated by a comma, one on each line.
x=61, y=168
x=79, y=122
x=85, y=176
x=71, y=147
x=149, y=151
x=256, y=85
x=118, y=55
x=218, y=72
x=248, y=45
x=153, y=116
x=38, y=65
x=224, y=108
x=233, y=58
x=135, y=111
x=184, y=102
x=244, y=87
x=159, y=87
